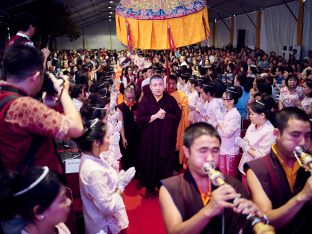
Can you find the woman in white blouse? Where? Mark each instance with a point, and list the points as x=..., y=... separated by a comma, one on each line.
x=229, y=129
x=259, y=135
x=212, y=93
x=192, y=99
x=101, y=183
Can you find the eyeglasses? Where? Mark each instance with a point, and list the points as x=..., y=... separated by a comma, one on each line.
x=226, y=99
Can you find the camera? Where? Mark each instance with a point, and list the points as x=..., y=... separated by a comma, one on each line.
x=48, y=86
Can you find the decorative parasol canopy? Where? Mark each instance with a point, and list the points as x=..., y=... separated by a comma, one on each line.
x=161, y=24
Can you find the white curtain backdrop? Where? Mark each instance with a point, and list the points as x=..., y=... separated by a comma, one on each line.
x=95, y=36
x=307, y=27
x=279, y=28
x=222, y=33
x=243, y=22
x=65, y=43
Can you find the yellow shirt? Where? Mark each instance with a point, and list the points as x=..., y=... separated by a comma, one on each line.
x=291, y=173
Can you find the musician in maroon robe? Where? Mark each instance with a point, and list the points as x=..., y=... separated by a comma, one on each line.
x=158, y=119
x=129, y=131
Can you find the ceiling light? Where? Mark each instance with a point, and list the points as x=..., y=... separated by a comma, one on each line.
x=110, y=12
x=110, y=20
x=109, y=16
x=109, y=7
x=111, y=2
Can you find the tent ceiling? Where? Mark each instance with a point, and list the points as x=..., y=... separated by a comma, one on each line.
x=87, y=12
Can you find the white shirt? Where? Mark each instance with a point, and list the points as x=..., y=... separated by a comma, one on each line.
x=61, y=229
x=230, y=130
x=192, y=99
x=103, y=208
x=125, y=81
x=77, y=103
x=121, y=60
x=306, y=103
x=260, y=139
x=211, y=59
x=215, y=111
x=30, y=43
x=200, y=110
x=184, y=88
x=183, y=64
x=145, y=82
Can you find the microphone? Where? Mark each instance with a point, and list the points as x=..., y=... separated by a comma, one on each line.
x=304, y=159
x=215, y=176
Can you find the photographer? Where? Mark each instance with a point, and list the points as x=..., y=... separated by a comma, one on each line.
x=27, y=125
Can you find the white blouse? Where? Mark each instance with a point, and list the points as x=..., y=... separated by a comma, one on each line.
x=192, y=99
x=215, y=111
x=231, y=128
x=260, y=139
x=104, y=209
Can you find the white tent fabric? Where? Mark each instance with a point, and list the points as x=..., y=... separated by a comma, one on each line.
x=279, y=28
x=95, y=36
x=307, y=27
x=243, y=22
x=222, y=33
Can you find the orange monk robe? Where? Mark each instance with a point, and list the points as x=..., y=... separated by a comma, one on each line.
x=182, y=101
x=118, y=77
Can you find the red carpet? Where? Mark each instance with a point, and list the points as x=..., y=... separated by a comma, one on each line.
x=144, y=213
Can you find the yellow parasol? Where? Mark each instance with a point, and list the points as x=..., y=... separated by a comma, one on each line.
x=161, y=24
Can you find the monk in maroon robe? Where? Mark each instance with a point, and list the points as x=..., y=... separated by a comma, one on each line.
x=158, y=119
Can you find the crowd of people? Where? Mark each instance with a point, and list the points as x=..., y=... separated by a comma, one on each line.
x=157, y=116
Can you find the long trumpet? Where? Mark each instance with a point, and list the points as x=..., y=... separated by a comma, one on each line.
x=304, y=159
x=260, y=224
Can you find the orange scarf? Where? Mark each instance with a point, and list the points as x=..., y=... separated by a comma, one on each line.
x=129, y=103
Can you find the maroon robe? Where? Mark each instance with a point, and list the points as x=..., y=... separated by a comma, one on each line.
x=157, y=139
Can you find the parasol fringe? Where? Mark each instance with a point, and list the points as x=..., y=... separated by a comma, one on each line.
x=129, y=39
x=206, y=30
x=171, y=42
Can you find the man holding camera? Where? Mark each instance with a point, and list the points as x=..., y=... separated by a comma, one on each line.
x=27, y=125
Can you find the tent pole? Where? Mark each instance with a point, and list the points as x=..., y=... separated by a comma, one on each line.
x=258, y=29
x=300, y=22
